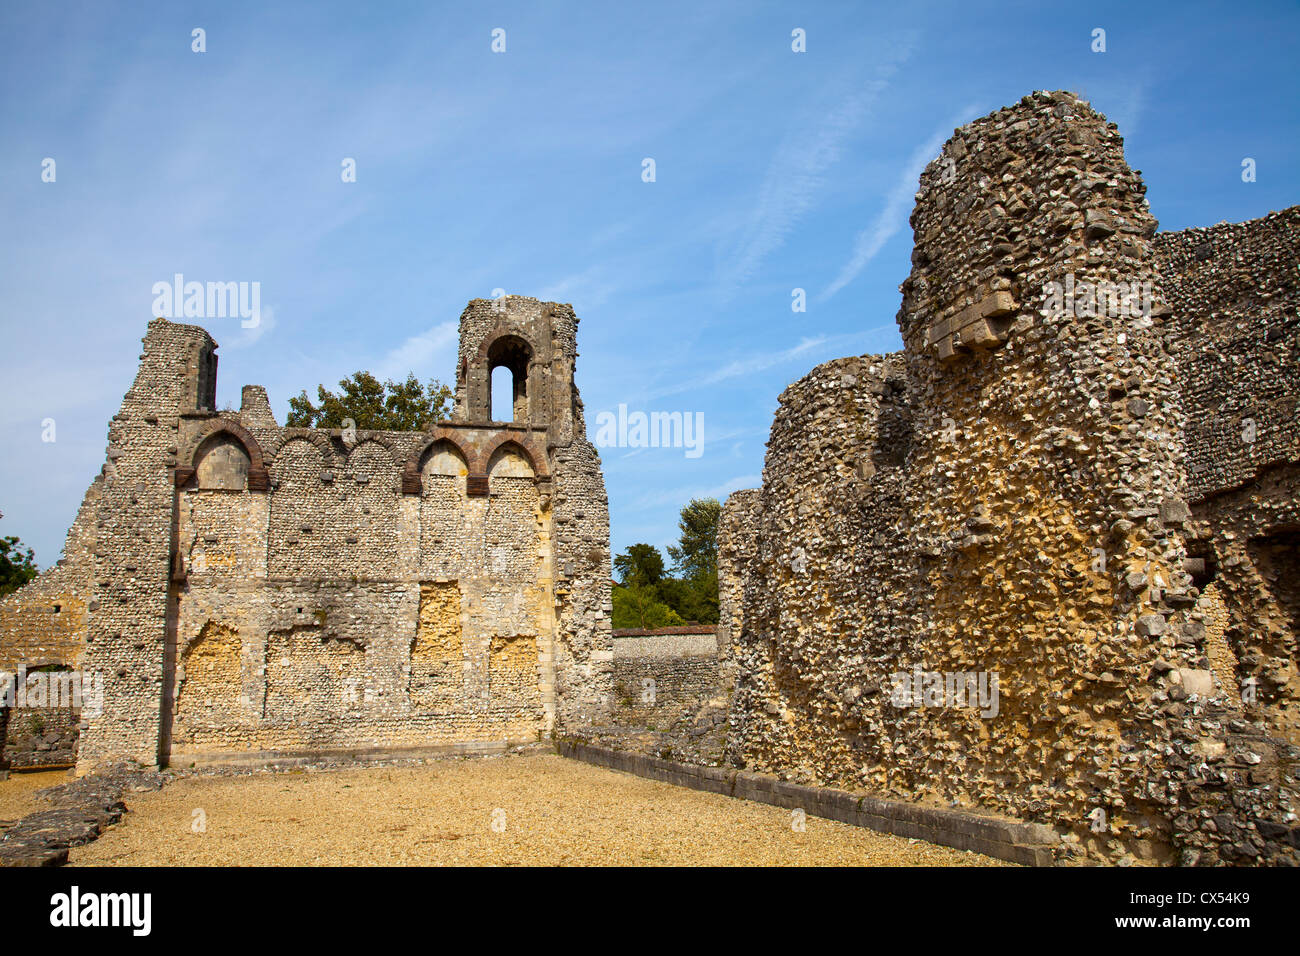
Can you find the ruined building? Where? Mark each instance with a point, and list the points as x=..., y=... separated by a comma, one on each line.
x=1079, y=477
x=251, y=592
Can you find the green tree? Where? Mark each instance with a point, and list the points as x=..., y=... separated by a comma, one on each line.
x=380, y=406
x=639, y=606
x=694, y=599
x=17, y=564
x=696, y=553
x=641, y=565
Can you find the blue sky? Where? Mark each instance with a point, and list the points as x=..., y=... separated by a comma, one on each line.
x=522, y=170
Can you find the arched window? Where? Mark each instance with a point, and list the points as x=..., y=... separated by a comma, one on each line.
x=503, y=394
x=512, y=353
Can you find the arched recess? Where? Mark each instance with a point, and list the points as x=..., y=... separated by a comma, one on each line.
x=221, y=464
x=524, y=448
x=510, y=459
x=313, y=436
x=220, y=437
x=443, y=458
x=371, y=459
x=363, y=522
x=414, y=469
x=514, y=353
x=300, y=512
x=442, y=477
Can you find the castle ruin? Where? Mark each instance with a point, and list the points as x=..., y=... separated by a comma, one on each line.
x=249, y=592
x=1041, y=563
x=1077, y=481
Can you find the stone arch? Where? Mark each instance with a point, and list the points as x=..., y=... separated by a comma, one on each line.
x=221, y=464
x=498, y=464
x=209, y=435
x=312, y=435
x=378, y=438
x=412, y=480
x=362, y=449
x=300, y=509
x=443, y=457
x=525, y=448
x=508, y=345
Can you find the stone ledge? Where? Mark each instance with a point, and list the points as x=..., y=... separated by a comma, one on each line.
x=276, y=759
x=80, y=812
x=1030, y=844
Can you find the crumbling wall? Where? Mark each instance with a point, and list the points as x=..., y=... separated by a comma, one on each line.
x=584, y=652
x=737, y=526
x=44, y=622
x=40, y=737
x=366, y=615
x=438, y=653
x=249, y=591
x=129, y=601
x=1235, y=293
x=1010, y=507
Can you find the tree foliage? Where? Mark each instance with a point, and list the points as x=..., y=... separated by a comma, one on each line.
x=641, y=565
x=696, y=553
x=650, y=597
x=639, y=607
x=371, y=404
x=17, y=564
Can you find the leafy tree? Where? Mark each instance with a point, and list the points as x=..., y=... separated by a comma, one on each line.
x=638, y=606
x=694, y=599
x=17, y=564
x=696, y=553
x=380, y=406
x=651, y=598
x=641, y=565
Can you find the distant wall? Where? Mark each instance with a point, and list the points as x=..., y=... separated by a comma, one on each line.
x=247, y=591
x=44, y=622
x=661, y=674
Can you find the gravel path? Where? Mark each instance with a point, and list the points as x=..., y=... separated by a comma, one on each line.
x=18, y=793
x=547, y=811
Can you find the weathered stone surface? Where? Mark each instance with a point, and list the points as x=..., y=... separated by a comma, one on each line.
x=1030, y=511
x=247, y=589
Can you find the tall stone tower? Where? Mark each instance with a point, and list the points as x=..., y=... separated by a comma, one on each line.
x=538, y=343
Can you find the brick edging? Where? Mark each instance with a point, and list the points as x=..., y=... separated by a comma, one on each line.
x=1029, y=844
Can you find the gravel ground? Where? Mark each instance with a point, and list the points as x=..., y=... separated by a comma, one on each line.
x=18, y=793
x=554, y=811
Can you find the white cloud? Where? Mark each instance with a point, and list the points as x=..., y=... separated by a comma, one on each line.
x=428, y=354
x=586, y=290
x=763, y=361
x=797, y=174
x=681, y=495
x=897, y=208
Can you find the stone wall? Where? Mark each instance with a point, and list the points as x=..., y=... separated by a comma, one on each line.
x=1235, y=292
x=1005, y=499
x=249, y=591
x=39, y=737
x=661, y=675
x=44, y=622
